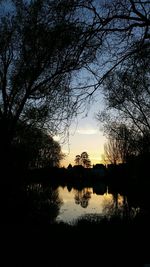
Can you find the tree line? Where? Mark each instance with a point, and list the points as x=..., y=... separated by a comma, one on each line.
x=41, y=44
x=56, y=55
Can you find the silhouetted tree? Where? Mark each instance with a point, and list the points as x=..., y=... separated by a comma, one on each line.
x=83, y=160
x=121, y=144
x=77, y=159
x=41, y=44
x=111, y=152
x=127, y=113
x=34, y=148
x=49, y=153
x=69, y=167
x=127, y=93
x=44, y=42
x=123, y=30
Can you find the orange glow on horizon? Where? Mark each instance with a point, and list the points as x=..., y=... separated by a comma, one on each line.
x=70, y=159
x=84, y=137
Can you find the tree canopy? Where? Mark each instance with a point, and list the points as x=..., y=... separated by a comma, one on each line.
x=83, y=160
x=123, y=28
x=125, y=80
x=42, y=43
x=33, y=148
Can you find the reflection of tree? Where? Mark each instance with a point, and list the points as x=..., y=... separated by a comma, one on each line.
x=43, y=203
x=82, y=197
x=115, y=205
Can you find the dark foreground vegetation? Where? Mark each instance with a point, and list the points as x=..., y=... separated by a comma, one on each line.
x=54, y=57
x=29, y=228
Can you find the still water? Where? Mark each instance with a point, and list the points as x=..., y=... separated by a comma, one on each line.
x=87, y=204
x=67, y=204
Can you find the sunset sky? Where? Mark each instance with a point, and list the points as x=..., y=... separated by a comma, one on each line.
x=85, y=135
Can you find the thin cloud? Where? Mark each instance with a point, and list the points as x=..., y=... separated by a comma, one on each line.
x=56, y=138
x=87, y=131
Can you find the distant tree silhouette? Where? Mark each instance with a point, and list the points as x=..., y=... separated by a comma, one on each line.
x=83, y=160
x=69, y=167
x=77, y=159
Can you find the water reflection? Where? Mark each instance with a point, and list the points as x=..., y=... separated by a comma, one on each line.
x=118, y=206
x=68, y=204
x=43, y=203
x=82, y=197
x=114, y=205
x=87, y=204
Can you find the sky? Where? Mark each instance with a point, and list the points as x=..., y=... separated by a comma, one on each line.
x=85, y=135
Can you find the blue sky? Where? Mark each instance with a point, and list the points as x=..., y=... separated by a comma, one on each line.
x=85, y=135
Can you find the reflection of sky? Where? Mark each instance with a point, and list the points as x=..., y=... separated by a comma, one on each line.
x=70, y=211
x=85, y=135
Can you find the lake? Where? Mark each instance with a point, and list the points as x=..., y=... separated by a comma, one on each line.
x=68, y=204
x=87, y=204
